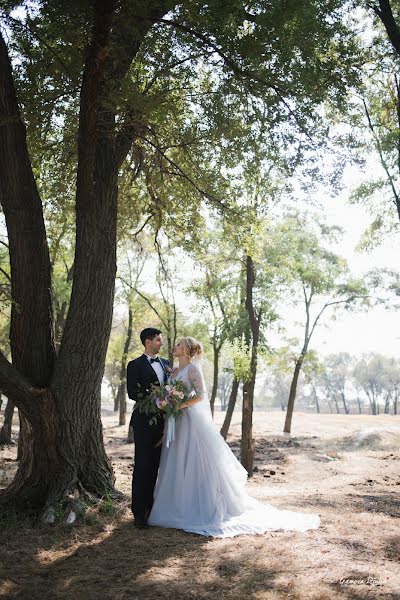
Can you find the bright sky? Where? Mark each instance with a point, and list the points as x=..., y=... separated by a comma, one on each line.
x=377, y=330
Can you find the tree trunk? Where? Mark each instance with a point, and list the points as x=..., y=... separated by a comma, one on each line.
x=115, y=393
x=216, y=355
x=230, y=409
x=387, y=403
x=292, y=395
x=359, y=405
x=5, y=431
x=124, y=362
x=247, y=442
x=316, y=399
x=63, y=452
x=395, y=399
x=337, y=405
x=346, y=409
x=372, y=404
x=63, y=449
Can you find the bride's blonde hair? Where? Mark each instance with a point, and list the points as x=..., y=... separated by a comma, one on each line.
x=193, y=346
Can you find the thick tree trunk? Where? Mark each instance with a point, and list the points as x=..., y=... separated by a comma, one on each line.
x=5, y=431
x=292, y=396
x=124, y=361
x=216, y=355
x=359, y=405
x=230, y=409
x=64, y=448
x=63, y=452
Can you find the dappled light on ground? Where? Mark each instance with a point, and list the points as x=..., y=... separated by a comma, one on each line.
x=354, y=554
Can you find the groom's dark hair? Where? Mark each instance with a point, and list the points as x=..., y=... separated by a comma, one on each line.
x=148, y=334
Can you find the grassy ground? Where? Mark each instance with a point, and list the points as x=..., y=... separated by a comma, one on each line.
x=343, y=467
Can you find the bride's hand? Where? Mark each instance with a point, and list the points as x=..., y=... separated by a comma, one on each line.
x=159, y=443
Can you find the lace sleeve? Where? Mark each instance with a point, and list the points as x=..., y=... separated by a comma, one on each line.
x=197, y=380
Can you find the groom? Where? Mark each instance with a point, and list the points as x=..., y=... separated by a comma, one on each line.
x=141, y=373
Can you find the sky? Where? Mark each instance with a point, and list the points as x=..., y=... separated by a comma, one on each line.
x=375, y=331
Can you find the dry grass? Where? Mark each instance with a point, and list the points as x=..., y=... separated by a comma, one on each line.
x=348, y=473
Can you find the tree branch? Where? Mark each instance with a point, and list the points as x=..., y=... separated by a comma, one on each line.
x=16, y=387
x=384, y=12
x=182, y=173
x=382, y=158
x=237, y=70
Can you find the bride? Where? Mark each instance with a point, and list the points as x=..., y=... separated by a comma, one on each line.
x=201, y=485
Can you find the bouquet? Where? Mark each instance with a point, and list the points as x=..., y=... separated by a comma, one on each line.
x=167, y=399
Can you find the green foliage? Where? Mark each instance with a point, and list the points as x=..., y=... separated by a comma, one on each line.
x=106, y=506
x=239, y=350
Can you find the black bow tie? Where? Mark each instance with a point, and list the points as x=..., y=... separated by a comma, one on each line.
x=152, y=360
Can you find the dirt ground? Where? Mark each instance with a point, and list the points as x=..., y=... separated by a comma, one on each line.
x=343, y=467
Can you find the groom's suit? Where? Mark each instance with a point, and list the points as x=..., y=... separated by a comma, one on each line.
x=140, y=376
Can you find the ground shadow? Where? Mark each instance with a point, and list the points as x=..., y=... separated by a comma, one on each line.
x=130, y=564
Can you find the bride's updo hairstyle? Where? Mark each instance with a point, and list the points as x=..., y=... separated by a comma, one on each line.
x=194, y=348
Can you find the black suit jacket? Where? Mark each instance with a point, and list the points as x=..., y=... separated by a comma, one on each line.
x=140, y=375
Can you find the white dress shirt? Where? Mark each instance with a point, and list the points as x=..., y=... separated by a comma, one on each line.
x=157, y=368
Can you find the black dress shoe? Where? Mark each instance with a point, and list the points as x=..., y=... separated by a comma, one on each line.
x=140, y=523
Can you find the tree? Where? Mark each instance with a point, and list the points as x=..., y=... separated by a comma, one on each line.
x=378, y=377
x=368, y=374
x=69, y=455
x=119, y=72
x=337, y=371
x=322, y=278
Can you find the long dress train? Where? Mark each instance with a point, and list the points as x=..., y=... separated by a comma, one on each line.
x=201, y=485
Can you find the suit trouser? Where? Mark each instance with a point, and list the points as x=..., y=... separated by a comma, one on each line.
x=147, y=461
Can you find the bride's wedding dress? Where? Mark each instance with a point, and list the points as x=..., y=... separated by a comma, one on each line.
x=201, y=485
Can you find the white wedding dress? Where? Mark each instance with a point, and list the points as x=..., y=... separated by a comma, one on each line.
x=201, y=485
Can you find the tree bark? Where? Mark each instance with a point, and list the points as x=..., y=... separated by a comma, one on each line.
x=216, y=355
x=5, y=431
x=247, y=441
x=63, y=449
x=292, y=396
x=299, y=363
x=114, y=392
x=31, y=331
x=230, y=409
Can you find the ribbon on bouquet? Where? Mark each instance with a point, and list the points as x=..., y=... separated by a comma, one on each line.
x=170, y=430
